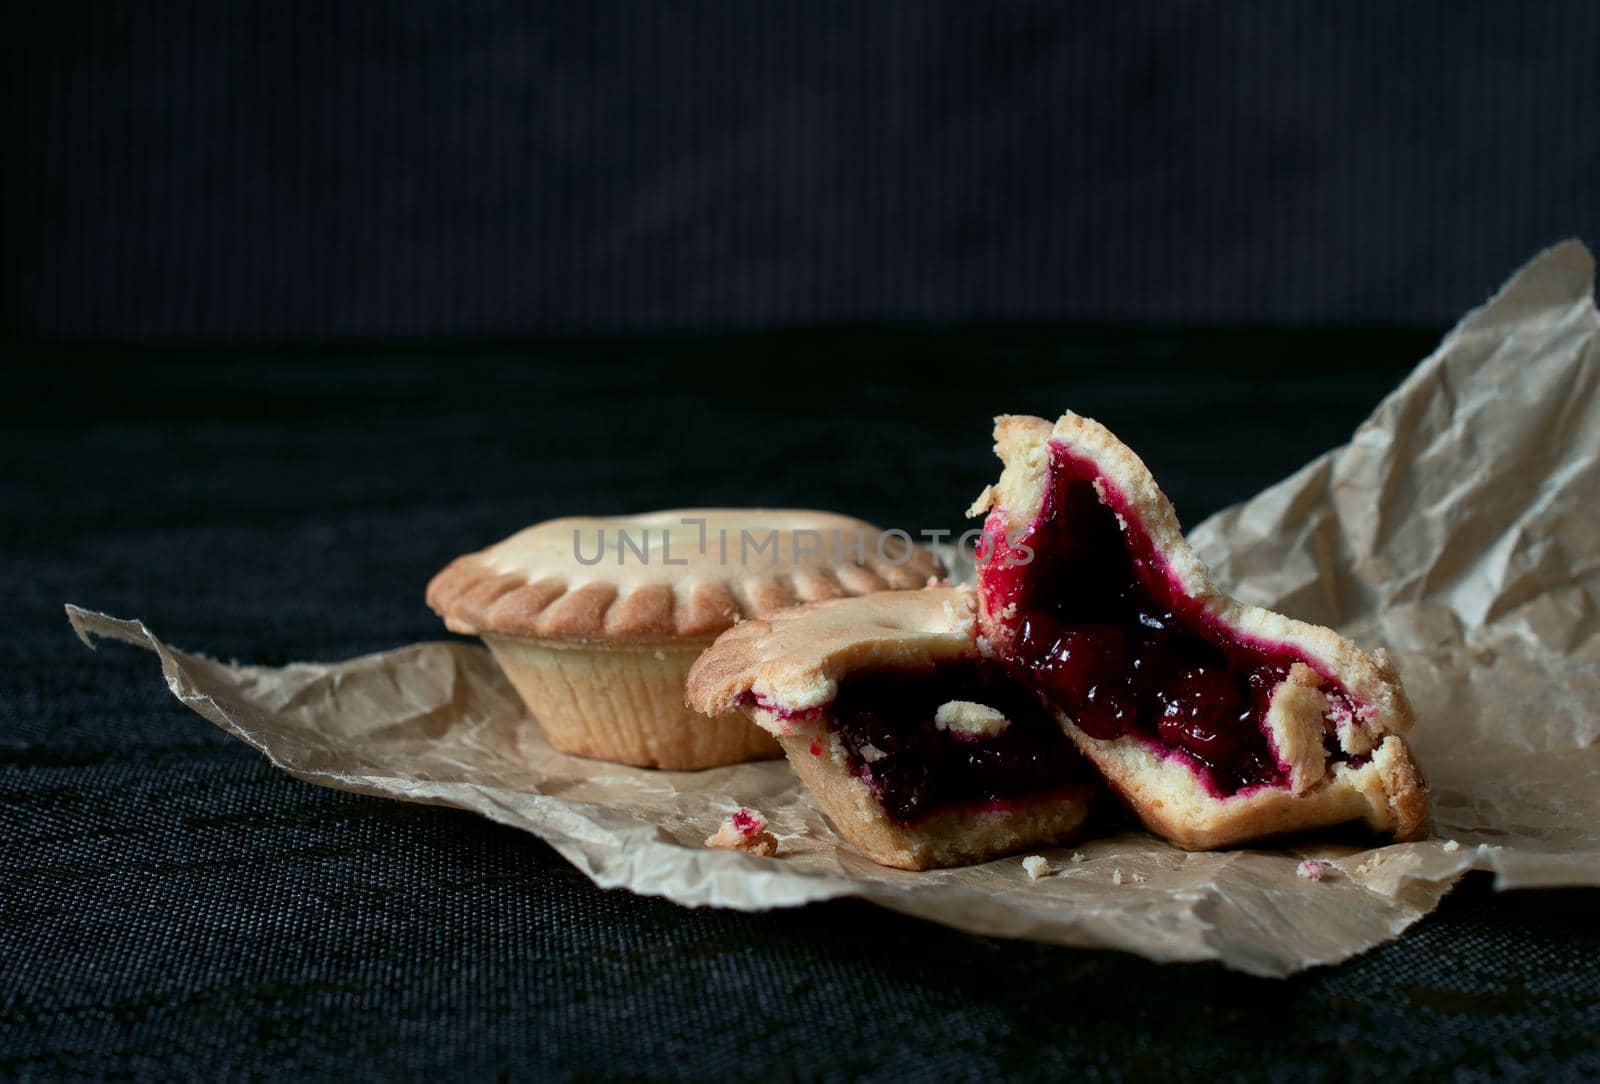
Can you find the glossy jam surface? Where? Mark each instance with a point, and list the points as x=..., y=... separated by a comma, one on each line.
x=885, y=720
x=1100, y=629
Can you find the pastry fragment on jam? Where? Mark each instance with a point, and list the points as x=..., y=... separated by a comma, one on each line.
x=1100, y=628
x=958, y=733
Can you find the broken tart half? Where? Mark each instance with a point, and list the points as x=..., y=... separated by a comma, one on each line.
x=1217, y=722
x=921, y=751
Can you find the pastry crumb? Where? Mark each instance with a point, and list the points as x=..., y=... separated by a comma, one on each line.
x=1037, y=866
x=966, y=719
x=1312, y=869
x=1451, y=845
x=1116, y=876
x=1077, y=858
x=744, y=830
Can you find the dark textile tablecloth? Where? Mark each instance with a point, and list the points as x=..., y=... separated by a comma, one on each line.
x=173, y=907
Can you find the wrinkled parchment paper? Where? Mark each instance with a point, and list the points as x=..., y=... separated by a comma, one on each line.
x=1460, y=527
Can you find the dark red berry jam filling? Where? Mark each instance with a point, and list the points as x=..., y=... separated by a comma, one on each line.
x=885, y=720
x=1102, y=629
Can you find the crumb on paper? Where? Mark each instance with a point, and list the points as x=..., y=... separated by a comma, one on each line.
x=1363, y=869
x=1139, y=878
x=1451, y=845
x=1036, y=865
x=661, y=656
x=1116, y=876
x=967, y=719
x=744, y=830
x=1077, y=858
x=1312, y=869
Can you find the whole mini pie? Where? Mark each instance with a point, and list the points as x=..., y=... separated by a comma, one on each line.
x=597, y=620
x=922, y=752
x=1216, y=722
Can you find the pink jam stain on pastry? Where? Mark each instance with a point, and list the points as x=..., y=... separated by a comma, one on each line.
x=922, y=752
x=1217, y=722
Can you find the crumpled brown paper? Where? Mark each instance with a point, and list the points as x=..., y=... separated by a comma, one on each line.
x=1460, y=526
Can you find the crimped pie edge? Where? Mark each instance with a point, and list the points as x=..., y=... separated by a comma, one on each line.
x=475, y=596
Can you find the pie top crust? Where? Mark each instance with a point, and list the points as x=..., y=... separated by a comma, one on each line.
x=671, y=575
x=1017, y=498
x=787, y=667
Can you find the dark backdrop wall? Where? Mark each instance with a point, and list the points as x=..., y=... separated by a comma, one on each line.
x=325, y=171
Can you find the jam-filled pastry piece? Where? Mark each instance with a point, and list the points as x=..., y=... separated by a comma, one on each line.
x=596, y=620
x=922, y=752
x=1217, y=722
x=744, y=829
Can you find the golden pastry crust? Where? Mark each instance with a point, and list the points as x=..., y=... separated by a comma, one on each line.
x=1387, y=792
x=683, y=573
x=790, y=663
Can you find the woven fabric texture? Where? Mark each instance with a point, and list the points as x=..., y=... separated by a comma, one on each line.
x=313, y=170
x=174, y=908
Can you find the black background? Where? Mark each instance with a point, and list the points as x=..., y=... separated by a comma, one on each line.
x=304, y=170
x=301, y=300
